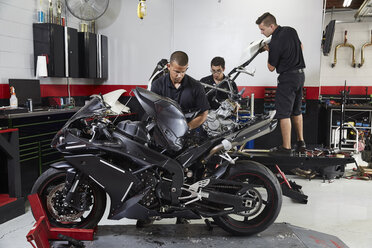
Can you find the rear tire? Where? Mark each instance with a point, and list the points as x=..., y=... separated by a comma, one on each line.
x=268, y=200
x=49, y=187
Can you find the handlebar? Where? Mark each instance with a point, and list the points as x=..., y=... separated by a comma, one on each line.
x=218, y=88
x=103, y=129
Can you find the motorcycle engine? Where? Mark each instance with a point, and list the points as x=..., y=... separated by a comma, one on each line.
x=219, y=121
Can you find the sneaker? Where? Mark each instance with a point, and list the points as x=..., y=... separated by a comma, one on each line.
x=280, y=151
x=300, y=146
x=181, y=220
x=144, y=223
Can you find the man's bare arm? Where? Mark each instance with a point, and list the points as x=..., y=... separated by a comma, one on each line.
x=198, y=120
x=266, y=48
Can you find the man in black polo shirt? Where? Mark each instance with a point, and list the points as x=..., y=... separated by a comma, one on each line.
x=182, y=88
x=285, y=55
x=187, y=92
x=215, y=97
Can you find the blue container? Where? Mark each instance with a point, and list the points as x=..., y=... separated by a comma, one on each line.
x=40, y=16
x=249, y=145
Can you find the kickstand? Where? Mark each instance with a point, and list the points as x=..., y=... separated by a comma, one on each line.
x=209, y=224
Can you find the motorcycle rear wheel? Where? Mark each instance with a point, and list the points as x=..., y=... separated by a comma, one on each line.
x=268, y=199
x=49, y=187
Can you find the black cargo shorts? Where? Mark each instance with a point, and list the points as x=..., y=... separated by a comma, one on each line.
x=288, y=97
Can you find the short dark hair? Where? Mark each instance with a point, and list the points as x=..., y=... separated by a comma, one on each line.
x=180, y=58
x=267, y=19
x=218, y=61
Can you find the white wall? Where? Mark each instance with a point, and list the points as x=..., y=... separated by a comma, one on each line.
x=135, y=45
x=358, y=33
x=16, y=45
x=208, y=28
x=203, y=29
x=16, y=39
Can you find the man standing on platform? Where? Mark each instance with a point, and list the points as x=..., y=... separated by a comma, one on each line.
x=285, y=55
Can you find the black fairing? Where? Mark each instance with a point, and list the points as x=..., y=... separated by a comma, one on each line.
x=167, y=115
x=94, y=107
x=136, y=129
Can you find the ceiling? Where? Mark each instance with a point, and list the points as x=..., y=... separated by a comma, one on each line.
x=362, y=8
x=337, y=4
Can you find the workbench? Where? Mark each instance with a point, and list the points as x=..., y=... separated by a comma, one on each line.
x=12, y=203
x=36, y=130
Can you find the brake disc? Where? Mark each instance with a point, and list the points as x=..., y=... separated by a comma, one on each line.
x=55, y=204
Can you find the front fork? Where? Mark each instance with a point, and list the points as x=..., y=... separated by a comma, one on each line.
x=72, y=198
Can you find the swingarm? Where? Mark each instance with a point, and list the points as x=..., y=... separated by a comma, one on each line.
x=212, y=191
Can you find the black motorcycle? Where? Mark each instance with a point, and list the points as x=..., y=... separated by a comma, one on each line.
x=157, y=168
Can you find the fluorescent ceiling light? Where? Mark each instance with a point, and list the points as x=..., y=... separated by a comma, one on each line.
x=347, y=3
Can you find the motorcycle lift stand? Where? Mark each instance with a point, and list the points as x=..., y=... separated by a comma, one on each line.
x=279, y=235
x=41, y=233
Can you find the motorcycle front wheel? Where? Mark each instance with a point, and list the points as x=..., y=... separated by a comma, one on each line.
x=50, y=188
x=267, y=196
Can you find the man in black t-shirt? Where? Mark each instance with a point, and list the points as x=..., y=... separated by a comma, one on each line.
x=215, y=97
x=182, y=88
x=285, y=55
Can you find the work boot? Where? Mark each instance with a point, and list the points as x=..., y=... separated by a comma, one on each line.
x=300, y=146
x=280, y=151
x=144, y=223
x=181, y=220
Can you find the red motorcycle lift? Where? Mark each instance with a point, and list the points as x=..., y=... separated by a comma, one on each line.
x=42, y=231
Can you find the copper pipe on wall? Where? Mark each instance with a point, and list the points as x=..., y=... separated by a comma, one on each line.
x=59, y=13
x=50, y=12
x=345, y=44
x=362, y=51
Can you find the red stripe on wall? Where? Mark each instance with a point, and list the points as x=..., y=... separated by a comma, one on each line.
x=312, y=93
x=4, y=91
x=84, y=90
x=75, y=90
x=259, y=91
x=354, y=90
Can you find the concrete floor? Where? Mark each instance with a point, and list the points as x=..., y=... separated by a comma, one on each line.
x=342, y=208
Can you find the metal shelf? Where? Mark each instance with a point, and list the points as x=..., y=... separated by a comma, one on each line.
x=354, y=114
x=334, y=126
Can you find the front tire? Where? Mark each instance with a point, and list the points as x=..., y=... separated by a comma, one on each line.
x=268, y=199
x=49, y=186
